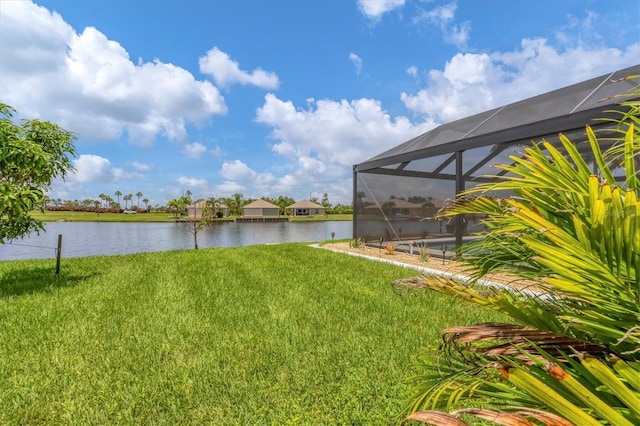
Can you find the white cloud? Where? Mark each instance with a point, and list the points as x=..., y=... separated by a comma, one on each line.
x=320, y=143
x=225, y=71
x=193, y=183
x=412, y=71
x=471, y=83
x=443, y=17
x=140, y=166
x=88, y=84
x=194, y=150
x=357, y=62
x=335, y=132
x=94, y=168
x=237, y=171
x=227, y=188
x=374, y=9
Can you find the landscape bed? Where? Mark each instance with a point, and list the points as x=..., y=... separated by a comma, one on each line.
x=277, y=334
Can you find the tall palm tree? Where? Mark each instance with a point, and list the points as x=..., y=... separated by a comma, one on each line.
x=118, y=194
x=146, y=203
x=139, y=195
x=572, y=233
x=126, y=199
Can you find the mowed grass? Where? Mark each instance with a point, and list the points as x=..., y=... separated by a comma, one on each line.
x=65, y=216
x=280, y=334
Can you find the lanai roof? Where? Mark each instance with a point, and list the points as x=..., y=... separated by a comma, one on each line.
x=565, y=110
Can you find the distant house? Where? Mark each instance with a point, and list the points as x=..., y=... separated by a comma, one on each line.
x=261, y=208
x=194, y=211
x=305, y=208
x=222, y=208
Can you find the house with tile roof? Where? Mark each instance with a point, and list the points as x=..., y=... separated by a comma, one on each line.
x=260, y=208
x=305, y=208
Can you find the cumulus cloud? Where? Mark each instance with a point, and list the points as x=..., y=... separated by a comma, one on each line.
x=225, y=71
x=357, y=62
x=474, y=82
x=320, y=142
x=337, y=132
x=88, y=84
x=237, y=171
x=374, y=9
x=240, y=173
x=194, y=150
x=94, y=168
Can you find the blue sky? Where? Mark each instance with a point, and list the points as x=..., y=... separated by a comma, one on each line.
x=282, y=97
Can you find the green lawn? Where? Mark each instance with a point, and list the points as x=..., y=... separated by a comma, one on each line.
x=62, y=216
x=279, y=334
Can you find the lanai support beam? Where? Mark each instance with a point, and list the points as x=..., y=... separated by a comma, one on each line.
x=459, y=189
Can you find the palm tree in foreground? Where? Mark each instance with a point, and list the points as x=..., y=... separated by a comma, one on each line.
x=572, y=355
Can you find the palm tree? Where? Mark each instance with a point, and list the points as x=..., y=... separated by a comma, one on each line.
x=572, y=232
x=237, y=198
x=118, y=194
x=126, y=199
x=146, y=203
x=102, y=197
x=139, y=194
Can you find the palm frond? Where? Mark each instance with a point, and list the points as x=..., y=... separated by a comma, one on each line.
x=571, y=231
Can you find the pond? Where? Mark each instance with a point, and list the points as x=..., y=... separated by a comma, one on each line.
x=104, y=238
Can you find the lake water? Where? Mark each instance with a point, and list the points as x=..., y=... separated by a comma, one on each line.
x=104, y=238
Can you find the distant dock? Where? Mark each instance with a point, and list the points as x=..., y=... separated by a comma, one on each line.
x=261, y=219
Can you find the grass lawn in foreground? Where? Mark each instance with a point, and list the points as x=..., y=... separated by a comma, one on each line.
x=278, y=334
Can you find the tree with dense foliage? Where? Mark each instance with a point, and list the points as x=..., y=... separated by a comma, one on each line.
x=32, y=154
x=325, y=201
x=118, y=194
x=572, y=231
x=282, y=201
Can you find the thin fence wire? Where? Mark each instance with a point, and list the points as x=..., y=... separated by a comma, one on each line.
x=31, y=245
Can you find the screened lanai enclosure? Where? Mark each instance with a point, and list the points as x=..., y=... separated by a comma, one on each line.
x=397, y=193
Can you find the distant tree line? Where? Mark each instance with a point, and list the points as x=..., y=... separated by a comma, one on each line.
x=236, y=202
x=105, y=203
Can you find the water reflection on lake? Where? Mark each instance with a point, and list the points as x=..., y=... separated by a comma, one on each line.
x=105, y=238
